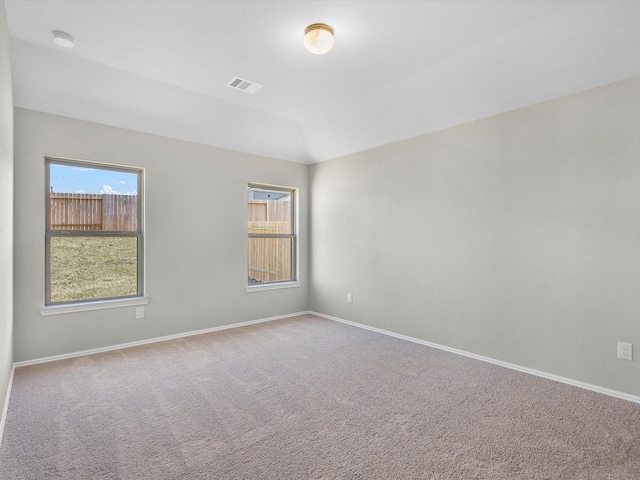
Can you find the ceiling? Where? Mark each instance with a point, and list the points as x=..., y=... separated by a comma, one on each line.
x=398, y=69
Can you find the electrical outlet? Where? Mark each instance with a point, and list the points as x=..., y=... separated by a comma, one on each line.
x=625, y=351
x=349, y=298
x=139, y=312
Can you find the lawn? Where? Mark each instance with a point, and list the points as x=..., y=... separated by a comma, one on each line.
x=88, y=268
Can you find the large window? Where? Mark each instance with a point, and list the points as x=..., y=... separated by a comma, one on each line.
x=94, y=242
x=272, y=234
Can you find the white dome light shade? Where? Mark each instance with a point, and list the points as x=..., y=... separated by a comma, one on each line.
x=62, y=38
x=318, y=38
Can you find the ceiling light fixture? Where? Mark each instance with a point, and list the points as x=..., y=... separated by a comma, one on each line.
x=318, y=38
x=62, y=38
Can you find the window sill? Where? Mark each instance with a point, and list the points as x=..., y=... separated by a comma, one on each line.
x=85, y=307
x=271, y=286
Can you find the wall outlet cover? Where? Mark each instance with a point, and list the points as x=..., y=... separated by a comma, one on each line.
x=625, y=351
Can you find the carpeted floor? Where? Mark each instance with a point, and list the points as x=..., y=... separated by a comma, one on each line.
x=307, y=398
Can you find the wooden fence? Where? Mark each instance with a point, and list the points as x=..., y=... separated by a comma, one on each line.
x=86, y=211
x=269, y=211
x=270, y=258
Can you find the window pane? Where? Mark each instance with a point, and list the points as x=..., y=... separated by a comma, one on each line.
x=90, y=268
x=269, y=211
x=83, y=198
x=270, y=260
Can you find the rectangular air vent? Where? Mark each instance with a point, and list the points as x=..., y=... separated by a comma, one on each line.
x=248, y=86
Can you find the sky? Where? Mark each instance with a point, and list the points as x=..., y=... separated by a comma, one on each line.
x=73, y=179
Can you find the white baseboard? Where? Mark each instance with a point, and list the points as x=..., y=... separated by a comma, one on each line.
x=531, y=371
x=151, y=340
x=5, y=409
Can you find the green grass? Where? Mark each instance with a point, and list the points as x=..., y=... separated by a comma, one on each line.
x=91, y=268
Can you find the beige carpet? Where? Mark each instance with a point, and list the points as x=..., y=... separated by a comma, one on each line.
x=307, y=398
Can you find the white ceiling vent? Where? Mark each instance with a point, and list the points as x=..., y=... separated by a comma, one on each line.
x=248, y=86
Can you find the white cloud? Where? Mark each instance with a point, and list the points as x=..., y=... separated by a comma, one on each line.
x=122, y=182
x=108, y=190
x=81, y=169
x=80, y=191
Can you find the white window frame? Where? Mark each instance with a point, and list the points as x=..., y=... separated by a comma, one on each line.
x=52, y=308
x=294, y=236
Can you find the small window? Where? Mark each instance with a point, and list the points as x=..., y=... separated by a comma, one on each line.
x=272, y=234
x=94, y=242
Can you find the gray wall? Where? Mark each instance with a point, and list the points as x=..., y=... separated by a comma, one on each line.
x=196, y=235
x=516, y=237
x=6, y=210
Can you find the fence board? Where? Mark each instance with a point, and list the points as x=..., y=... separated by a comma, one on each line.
x=87, y=211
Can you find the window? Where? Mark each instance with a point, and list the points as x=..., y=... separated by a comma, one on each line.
x=272, y=256
x=94, y=235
